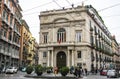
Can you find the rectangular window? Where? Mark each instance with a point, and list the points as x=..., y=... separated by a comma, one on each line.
x=92, y=40
x=4, y=32
x=4, y=12
x=11, y=19
x=78, y=36
x=44, y=54
x=79, y=54
x=45, y=36
x=6, y=17
x=90, y=24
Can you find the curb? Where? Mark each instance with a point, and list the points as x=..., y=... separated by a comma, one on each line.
x=50, y=77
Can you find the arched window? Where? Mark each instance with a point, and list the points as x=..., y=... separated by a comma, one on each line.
x=61, y=35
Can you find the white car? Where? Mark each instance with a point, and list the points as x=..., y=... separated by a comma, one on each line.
x=112, y=73
x=11, y=70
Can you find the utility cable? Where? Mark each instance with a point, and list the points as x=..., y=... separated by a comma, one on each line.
x=38, y=6
x=109, y=7
x=61, y=7
x=46, y=4
x=68, y=2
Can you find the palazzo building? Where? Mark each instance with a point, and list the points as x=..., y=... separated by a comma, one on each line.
x=74, y=36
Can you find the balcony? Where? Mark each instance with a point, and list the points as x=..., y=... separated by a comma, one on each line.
x=18, y=45
x=3, y=38
x=16, y=17
x=14, y=54
x=2, y=50
x=17, y=32
x=7, y=4
x=5, y=20
x=11, y=26
x=10, y=41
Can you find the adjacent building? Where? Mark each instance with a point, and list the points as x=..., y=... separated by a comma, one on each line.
x=29, y=46
x=75, y=36
x=10, y=32
x=24, y=49
x=116, y=53
x=35, y=50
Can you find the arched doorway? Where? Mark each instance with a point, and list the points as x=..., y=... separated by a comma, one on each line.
x=61, y=59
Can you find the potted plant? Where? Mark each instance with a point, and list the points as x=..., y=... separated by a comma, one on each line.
x=29, y=69
x=64, y=71
x=49, y=69
x=38, y=70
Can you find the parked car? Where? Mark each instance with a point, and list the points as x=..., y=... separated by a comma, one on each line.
x=112, y=73
x=11, y=70
x=23, y=69
x=3, y=70
x=103, y=72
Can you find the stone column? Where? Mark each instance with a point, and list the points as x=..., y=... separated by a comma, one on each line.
x=48, y=58
x=68, y=58
x=52, y=58
x=73, y=58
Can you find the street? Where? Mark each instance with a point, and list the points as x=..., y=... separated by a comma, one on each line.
x=20, y=75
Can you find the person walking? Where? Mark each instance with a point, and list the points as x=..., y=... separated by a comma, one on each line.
x=85, y=70
x=76, y=72
x=80, y=72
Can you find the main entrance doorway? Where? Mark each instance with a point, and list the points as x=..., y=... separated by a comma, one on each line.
x=61, y=59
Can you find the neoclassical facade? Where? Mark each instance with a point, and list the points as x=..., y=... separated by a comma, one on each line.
x=75, y=36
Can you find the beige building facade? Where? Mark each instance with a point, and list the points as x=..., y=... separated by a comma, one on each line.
x=75, y=36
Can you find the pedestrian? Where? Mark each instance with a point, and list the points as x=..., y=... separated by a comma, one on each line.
x=76, y=72
x=85, y=70
x=92, y=70
x=80, y=72
x=71, y=70
x=96, y=70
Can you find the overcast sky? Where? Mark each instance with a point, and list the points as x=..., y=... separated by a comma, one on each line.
x=109, y=10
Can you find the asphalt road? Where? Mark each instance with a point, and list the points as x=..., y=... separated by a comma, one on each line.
x=20, y=75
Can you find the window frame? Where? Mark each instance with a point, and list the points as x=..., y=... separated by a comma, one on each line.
x=78, y=36
x=79, y=54
x=61, y=35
